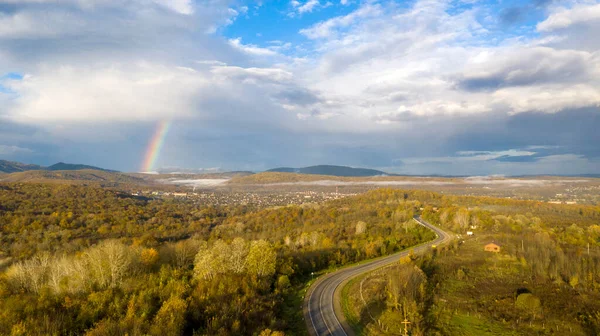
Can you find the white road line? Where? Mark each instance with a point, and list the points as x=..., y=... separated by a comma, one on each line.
x=321, y=310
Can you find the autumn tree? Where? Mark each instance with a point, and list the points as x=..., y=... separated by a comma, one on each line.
x=261, y=259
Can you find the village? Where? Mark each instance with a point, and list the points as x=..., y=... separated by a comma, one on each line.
x=259, y=199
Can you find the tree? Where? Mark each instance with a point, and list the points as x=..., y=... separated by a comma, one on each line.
x=186, y=250
x=109, y=262
x=261, y=259
x=269, y=332
x=170, y=319
x=462, y=218
x=149, y=257
x=239, y=252
x=361, y=227
x=528, y=302
x=203, y=265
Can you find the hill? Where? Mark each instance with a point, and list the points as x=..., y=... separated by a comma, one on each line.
x=331, y=171
x=74, y=166
x=13, y=167
x=276, y=177
x=72, y=176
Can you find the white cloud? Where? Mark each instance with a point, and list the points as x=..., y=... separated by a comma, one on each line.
x=250, y=48
x=8, y=150
x=252, y=74
x=121, y=92
x=381, y=69
x=326, y=28
x=563, y=18
x=308, y=6
x=179, y=6
x=393, y=65
x=35, y=25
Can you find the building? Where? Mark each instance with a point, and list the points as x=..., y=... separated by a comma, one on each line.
x=491, y=247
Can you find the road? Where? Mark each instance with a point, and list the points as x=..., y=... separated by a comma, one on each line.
x=322, y=307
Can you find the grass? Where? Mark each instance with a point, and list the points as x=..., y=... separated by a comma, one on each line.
x=351, y=318
x=469, y=325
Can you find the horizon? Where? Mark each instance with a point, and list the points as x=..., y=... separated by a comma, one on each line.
x=216, y=170
x=425, y=87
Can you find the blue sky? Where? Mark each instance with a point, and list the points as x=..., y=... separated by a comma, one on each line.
x=420, y=87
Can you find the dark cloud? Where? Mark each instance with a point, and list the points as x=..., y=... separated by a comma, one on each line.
x=565, y=132
x=8, y=8
x=543, y=3
x=512, y=15
x=524, y=158
x=531, y=67
x=298, y=96
x=517, y=14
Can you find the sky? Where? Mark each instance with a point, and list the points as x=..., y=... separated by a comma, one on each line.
x=454, y=87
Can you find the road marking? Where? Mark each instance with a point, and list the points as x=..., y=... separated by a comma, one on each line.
x=333, y=303
x=309, y=314
x=321, y=310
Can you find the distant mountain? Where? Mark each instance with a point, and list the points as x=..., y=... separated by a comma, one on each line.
x=73, y=176
x=331, y=170
x=14, y=167
x=71, y=166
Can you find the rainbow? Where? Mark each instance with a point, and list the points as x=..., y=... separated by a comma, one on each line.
x=155, y=145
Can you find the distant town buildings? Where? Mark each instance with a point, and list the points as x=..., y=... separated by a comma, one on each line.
x=262, y=199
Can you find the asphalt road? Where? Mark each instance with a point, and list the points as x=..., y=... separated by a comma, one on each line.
x=322, y=307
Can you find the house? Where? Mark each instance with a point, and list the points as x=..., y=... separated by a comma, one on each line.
x=491, y=247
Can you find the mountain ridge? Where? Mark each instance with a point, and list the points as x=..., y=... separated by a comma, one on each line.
x=331, y=170
x=10, y=167
x=15, y=167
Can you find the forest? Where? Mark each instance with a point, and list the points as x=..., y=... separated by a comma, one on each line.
x=544, y=281
x=81, y=259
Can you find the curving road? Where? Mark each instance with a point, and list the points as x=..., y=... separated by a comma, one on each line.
x=322, y=307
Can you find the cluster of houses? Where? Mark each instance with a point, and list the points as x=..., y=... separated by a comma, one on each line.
x=249, y=198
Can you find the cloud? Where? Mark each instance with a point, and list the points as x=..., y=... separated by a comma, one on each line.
x=179, y=6
x=250, y=48
x=563, y=18
x=327, y=28
x=8, y=150
x=537, y=65
x=141, y=91
x=512, y=15
x=252, y=74
x=306, y=7
x=32, y=24
x=378, y=84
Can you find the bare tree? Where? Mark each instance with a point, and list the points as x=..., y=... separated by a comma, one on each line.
x=239, y=252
